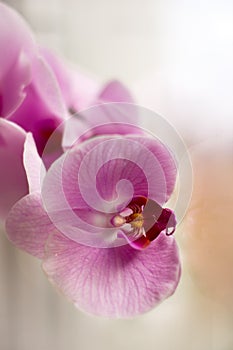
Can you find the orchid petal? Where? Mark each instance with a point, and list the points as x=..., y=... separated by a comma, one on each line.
x=117, y=282
x=33, y=164
x=13, y=85
x=17, y=47
x=78, y=89
x=28, y=226
x=45, y=83
x=43, y=109
x=13, y=179
x=102, y=119
x=115, y=91
x=81, y=91
x=29, y=93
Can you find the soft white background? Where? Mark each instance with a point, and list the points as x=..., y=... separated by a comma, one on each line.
x=176, y=56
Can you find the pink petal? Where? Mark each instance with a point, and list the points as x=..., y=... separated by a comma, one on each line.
x=102, y=119
x=78, y=89
x=43, y=109
x=33, y=164
x=166, y=160
x=15, y=36
x=28, y=226
x=13, y=180
x=102, y=176
x=29, y=93
x=115, y=91
x=45, y=83
x=116, y=282
x=13, y=83
x=17, y=47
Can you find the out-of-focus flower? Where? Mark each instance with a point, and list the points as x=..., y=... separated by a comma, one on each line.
x=99, y=201
x=207, y=237
x=29, y=92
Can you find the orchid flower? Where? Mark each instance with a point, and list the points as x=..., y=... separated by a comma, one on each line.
x=97, y=218
x=99, y=223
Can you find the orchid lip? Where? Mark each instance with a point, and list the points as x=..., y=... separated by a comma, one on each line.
x=146, y=220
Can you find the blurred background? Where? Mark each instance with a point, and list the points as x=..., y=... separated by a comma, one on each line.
x=176, y=57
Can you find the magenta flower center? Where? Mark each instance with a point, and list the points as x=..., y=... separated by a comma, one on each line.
x=143, y=220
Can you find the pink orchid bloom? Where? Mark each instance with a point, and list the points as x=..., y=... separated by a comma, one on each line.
x=99, y=225
x=104, y=239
